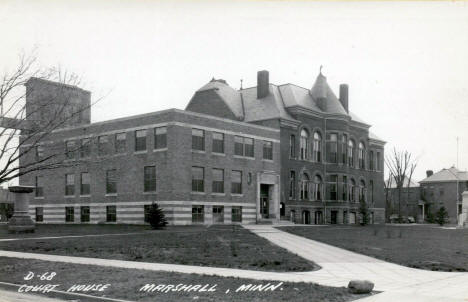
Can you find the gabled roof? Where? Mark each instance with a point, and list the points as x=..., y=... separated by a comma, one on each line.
x=447, y=175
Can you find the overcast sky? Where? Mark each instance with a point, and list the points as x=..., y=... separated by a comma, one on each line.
x=406, y=63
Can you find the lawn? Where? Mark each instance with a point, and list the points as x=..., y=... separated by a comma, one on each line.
x=126, y=284
x=420, y=246
x=218, y=246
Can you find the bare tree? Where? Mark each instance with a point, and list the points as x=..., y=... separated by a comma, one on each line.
x=401, y=165
x=388, y=198
x=22, y=125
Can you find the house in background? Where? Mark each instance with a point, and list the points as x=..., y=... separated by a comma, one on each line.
x=445, y=188
x=260, y=154
x=408, y=202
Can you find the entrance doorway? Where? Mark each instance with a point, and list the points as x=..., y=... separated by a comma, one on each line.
x=264, y=200
x=305, y=217
x=318, y=217
x=282, y=210
x=334, y=217
x=352, y=218
x=218, y=214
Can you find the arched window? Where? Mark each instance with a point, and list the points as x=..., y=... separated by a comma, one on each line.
x=304, y=144
x=317, y=188
x=362, y=191
x=351, y=153
x=317, y=148
x=305, y=186
x=362, y=156
x=352, y=190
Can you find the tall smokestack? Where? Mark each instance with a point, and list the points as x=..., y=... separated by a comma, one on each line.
x=263, y=84
x=344, y=90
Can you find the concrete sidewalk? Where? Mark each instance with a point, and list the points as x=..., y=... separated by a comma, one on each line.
x=339, y=266
x=399, y=283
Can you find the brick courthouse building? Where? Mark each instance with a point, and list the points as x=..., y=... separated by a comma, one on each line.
x=232, y=156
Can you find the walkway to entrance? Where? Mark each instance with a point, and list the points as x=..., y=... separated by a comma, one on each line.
x=399, y=283
x=339, y=266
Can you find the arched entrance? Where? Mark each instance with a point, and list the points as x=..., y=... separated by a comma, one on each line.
x=306, y=217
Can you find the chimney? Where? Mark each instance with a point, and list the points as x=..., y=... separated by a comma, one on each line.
x=344, y=96
x=429, y=173
x=263, y=84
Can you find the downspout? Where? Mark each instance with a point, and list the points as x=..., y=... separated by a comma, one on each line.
x=325, y=173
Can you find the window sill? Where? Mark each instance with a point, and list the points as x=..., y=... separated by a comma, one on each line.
x=198, y=193
x=237, y=195
x=268, y=160
x=38, y=197
x=160, y=150
x=218, y=154
x=244, y=157
x=69, y=196
x=141, y=152
x=86, y=195
x=198, y=151
x=149, y=192
x=110, y=194
x=218, y=194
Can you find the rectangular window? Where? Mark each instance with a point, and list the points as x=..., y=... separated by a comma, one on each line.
x=379, y=164
x=147, y=208
x=69, y=184
x=332, y=148
x=371, y=189
x=243, y=146
x=111, y=213
x=121, y=142
x=249, y=147
x=218, y=142
x=198, y=214
x=85, y=213
x=149, y=179
x=344, y=148
x=236, y=182
x=85, y=184
x=218, y=181
x=198, y=179
x=85, y=149
x=111, y=181
x=70, y=150
x=239, y=145
x=198, y=139
x=69, y=214
x=371, y=160
x=103, y=145
x=39, y=186
x=140, y=140
x=236, y=214
x=39, y=214
x=39, y=152
x=292, y=185
x=160, y=138
x=292, y=146
x=267, y=150
x=345, y=188
x=332, y=187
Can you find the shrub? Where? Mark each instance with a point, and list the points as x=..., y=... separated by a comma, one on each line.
x=441, y=216
x=364, y=212
x=156, y=217
x=430, y=218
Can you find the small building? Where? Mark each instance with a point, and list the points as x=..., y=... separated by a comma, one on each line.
x=407, y=203
x=444, y=188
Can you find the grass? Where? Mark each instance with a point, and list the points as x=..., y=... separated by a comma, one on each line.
x=218, y=246
x=125, y=283
x=419, y=246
